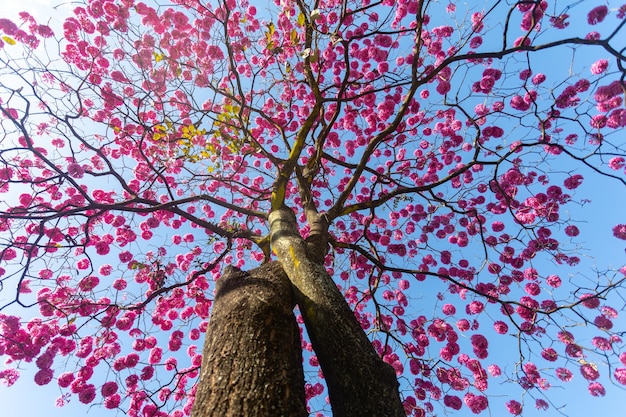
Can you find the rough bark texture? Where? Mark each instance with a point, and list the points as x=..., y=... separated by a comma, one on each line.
x=252, y=358
x=359, y=382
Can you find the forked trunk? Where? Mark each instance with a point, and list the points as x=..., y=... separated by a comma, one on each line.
x=252, y=359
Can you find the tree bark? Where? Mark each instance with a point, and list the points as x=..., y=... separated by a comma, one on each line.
x=252, y=357
x=359, y=382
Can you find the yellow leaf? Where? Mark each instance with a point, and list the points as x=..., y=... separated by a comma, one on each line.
x=8, y=40
x=301, y=19
x=158, y=57
x=294, y=36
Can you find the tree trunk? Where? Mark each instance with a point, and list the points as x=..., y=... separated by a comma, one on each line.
x=359, y=382
x=252, y=357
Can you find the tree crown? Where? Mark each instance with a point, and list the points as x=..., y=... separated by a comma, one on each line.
x=424, y=147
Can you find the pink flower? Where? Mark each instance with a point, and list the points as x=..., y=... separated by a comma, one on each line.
x=521, y=41
x=601, y=343
x=603, y=323
x=619, y=231
x=500, y=327
x=525, y=74
x=442, y=88
x=475, y=307
x=572, y=231
x=560, y=22
x=548, y=305
x=497, y=226
x=75, y=170
x=45, y=360
x=592, y=36
x=131, y=381
x=475, y=42
x=64, y=380
x=494, y=370
x=463, y=325
x=553, y=281
x=590, y=300
x=598, y=121
x=155, y=355
x=44, y=376
x=8, y=27
x=573, y=350
x=476, y=403
x=596, y=389
x=119, y=284
x=105, y=270
x=549, y=354
x=24, y=287
x=563, y=374
x=85, y=373
x=616, y=119
x=83, y=264
x=538, y=79
x=170, y=364
x=597, y=14
x=453, y=402
x=9, y=376
x=44, y=31
x=573, y=182
x=102, y=248
x=518, y=103
x=88, y=283
x=589, y=372
x=479, y=342
x=477, y=22
x=448, y=309
x=125, y=256
x=620, y=375
x=112, y=401
x=8, y=254
x=147, y=372
x=599, y=66
x=541, y=404
x=514, y=407
x=532, y=288
x=109, y=388
x=88, y=394
x=131, y=360
x=5, y=173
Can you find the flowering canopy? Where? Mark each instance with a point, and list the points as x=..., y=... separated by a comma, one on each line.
x=143, y=149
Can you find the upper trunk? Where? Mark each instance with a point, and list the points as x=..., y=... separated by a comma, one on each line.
x=252, y=358
x=359, y=382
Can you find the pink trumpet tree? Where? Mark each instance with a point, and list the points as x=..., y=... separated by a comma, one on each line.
x=405, y=173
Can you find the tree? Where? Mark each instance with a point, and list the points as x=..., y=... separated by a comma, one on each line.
x=363, y=151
